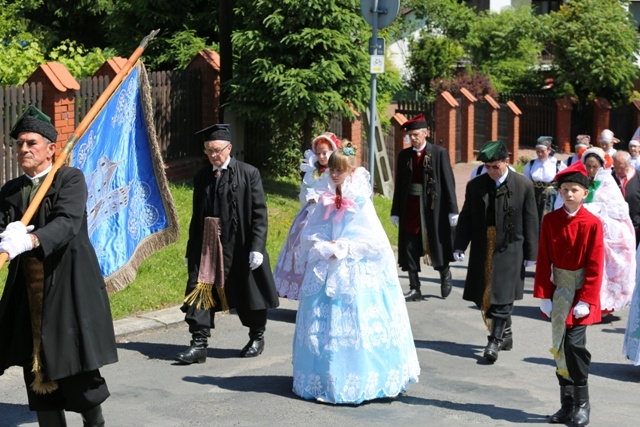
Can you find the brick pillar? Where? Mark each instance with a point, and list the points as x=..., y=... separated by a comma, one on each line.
x=352, y=130
x=208, y=62
x=601, y=111
x=492, y=118
x=564, y=108
x=446, y=109
x=58, y=97
x=513, y=131
x=467, y=128
x=111, y=67
x=636, y=115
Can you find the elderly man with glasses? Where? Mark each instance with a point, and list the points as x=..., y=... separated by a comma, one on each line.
x=499, y=219
x=227, y=258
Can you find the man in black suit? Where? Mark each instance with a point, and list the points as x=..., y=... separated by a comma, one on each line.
x=55, y=319
x=500, y=220
x=628, y=179
x=226, y=253
x=425, y=208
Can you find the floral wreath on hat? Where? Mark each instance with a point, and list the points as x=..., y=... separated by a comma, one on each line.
x=348, y=149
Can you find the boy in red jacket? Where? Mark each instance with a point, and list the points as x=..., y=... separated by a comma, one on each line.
x=568, y=278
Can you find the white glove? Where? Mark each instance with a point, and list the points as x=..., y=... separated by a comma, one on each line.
x=528, y=263
x=453, y=219
x=545, y=306
x=16, y=242
x=255, y=260
x=395, y=220
x=458, y=255
x=581, y=310
x=186, y=261
x=16, y=227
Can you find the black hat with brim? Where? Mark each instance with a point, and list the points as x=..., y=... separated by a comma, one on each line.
x=217, y=132
x=34, y=120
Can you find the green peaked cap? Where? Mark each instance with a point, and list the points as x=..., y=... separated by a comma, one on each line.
x=492, y=151
x=34, y=120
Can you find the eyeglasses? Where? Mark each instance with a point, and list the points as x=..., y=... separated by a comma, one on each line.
x=216, y=151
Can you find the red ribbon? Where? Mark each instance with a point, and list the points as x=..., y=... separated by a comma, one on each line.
x=335, y=203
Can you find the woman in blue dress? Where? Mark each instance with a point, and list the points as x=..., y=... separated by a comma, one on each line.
x=352, y=340
x=290, y=267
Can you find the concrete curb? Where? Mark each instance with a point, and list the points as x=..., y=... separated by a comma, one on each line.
x=159, y=319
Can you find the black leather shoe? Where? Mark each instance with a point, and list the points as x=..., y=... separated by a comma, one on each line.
x=93, y=417
x=445, y=283
x=492, y=349
x=253, y=348
x=197, y=353
x=413, y=295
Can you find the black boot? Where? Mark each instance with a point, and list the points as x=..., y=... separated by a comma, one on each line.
x=581, y=408
x=507, y=337
x=565, y=413
x=93, y=417
x=196, y=353
x=495, y=339
x=445, y=282
x=51, y=418
x=255, y=346
x=414, y=293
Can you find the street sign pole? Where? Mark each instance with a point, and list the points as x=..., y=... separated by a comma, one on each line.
x=372, y=102
x=378, y=14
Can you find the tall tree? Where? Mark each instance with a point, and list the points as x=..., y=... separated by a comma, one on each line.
x=298, y=61
x=595, y=47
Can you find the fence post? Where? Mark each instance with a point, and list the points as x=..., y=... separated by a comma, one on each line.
x=467, y=128
x=513, y=131
x=492, y=119
x=352, y=130
x=58, y=97
x=601, y=112
x=564, y=109
x=446, y=109
x=208, y=62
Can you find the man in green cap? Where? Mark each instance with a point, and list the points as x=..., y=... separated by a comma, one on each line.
x=55, y=319
x=500, y=220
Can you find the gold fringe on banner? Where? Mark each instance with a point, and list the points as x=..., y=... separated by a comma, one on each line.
x=127, y=273
x=488, y=274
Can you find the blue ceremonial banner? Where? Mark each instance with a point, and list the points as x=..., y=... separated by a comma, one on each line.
x=130, y=209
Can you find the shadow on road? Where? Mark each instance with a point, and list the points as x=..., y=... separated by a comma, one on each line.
x=451, y=348
x=492, y=411
x=169, y=351
x=615, y=371
x=272, y=384
x=14, y=415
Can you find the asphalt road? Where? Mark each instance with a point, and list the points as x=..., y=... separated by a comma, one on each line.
x=456, y=388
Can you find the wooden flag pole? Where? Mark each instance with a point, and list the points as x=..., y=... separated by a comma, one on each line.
x=78, y=132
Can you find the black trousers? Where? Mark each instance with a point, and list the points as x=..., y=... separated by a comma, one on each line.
x=577, y=356
x=412, y=252
x=202, y=321
x=77, y=393
x=499, y=311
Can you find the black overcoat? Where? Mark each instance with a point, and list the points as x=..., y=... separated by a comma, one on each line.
x=516, y=220
x=243, y=223
x=77, y=328
x=439, y=201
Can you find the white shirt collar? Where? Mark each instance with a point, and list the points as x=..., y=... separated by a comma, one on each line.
x=503, y=178
x=36, y=179
x=224, y=165
x=421, y=148
x=571, y=214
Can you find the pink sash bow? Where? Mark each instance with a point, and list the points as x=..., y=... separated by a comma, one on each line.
x=329, y=200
